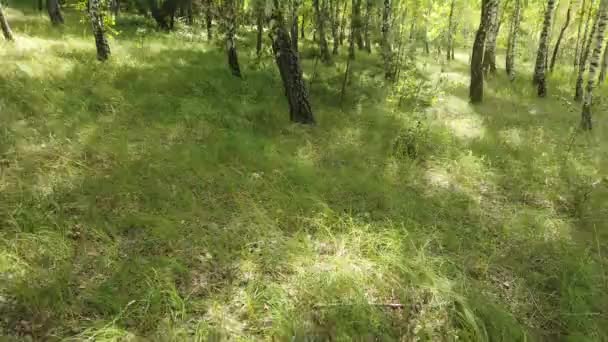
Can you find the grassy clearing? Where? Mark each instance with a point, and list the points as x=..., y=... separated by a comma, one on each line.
x=157, y=197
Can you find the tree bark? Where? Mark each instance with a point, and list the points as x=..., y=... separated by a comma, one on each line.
x=209, y=19
x=578, y=35
x=295, y=7
x=357, y=23
x=366, y=36
x=586, y=123
x=387, y=46
x=604, y=66
x=489, y=58
x=6, y=29
x=322, y=40
x=288, y=63
x=260, y=30
x=450, y=31
x=233, y=59
x=343, y=22
x=543, y=49
x=512, y=41
x=582, y=66
x=101, y=42
x=335, y=17
x=560, y=37
x=351, y=36
x=54, y=10
x=476, y=86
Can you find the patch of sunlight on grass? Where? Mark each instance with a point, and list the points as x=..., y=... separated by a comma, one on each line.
x=459, y=116
x=307, y=155
x=511, y=137
x=224, y=318
x=437, y=176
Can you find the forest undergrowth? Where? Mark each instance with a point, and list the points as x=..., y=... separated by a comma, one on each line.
x=156, y=197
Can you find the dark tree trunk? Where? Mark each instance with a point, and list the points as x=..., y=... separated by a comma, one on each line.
x=602, y=17
x=582, y=66
x=357, y=23
x=6, y=29
x=559, y=38
x=604, y=66
x=233, y=59
x=476, y=86
x=260, y=31
x=366, y=36
x=543, y=50
x=294, y=24
x=101, y=42
x=450, y=30
x=54, y=10
x=190, y=13
x=291, y=72
x=578, y=46
x=209, y=19
x=351, y=36
x=387, y=46
x=320, y=20
x=335, y=16
x=343, y=22
x=40, y=5
x=115, y=7
x=303, y=27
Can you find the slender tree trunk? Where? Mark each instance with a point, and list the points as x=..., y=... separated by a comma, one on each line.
x=543, y=49
x=54, y=10
x=260, y=31
x=357, y=23
x=115, y=7
x=295, y=8
x=604, y=66
x=40, y=5
x=476, y=86
x=450, y=30
x=209, y=19
x=582, y=66
x=560, y=37
x=101, y=42
x=343, y=23
x=233, y=59
x=586, y=123
x=335, y=17
x=427, y=50
x=489, y=58
x=366, y=36
x=351, y=36
x=387, y=46
x=320, y=21
x=512, y=41
x=303, y=27
x=578, y=35
x=584, y=42
x=289, y=67
x=6, y=29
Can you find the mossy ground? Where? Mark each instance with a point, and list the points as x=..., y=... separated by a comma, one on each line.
x=157, y=197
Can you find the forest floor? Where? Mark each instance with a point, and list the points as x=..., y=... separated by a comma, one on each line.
x=156, y=197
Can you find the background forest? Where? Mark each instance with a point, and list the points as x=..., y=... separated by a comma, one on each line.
x=303, y=170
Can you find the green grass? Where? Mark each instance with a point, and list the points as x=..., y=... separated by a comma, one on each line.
x=157, y=197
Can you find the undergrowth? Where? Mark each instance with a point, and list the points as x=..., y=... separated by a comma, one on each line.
x=156, y=196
